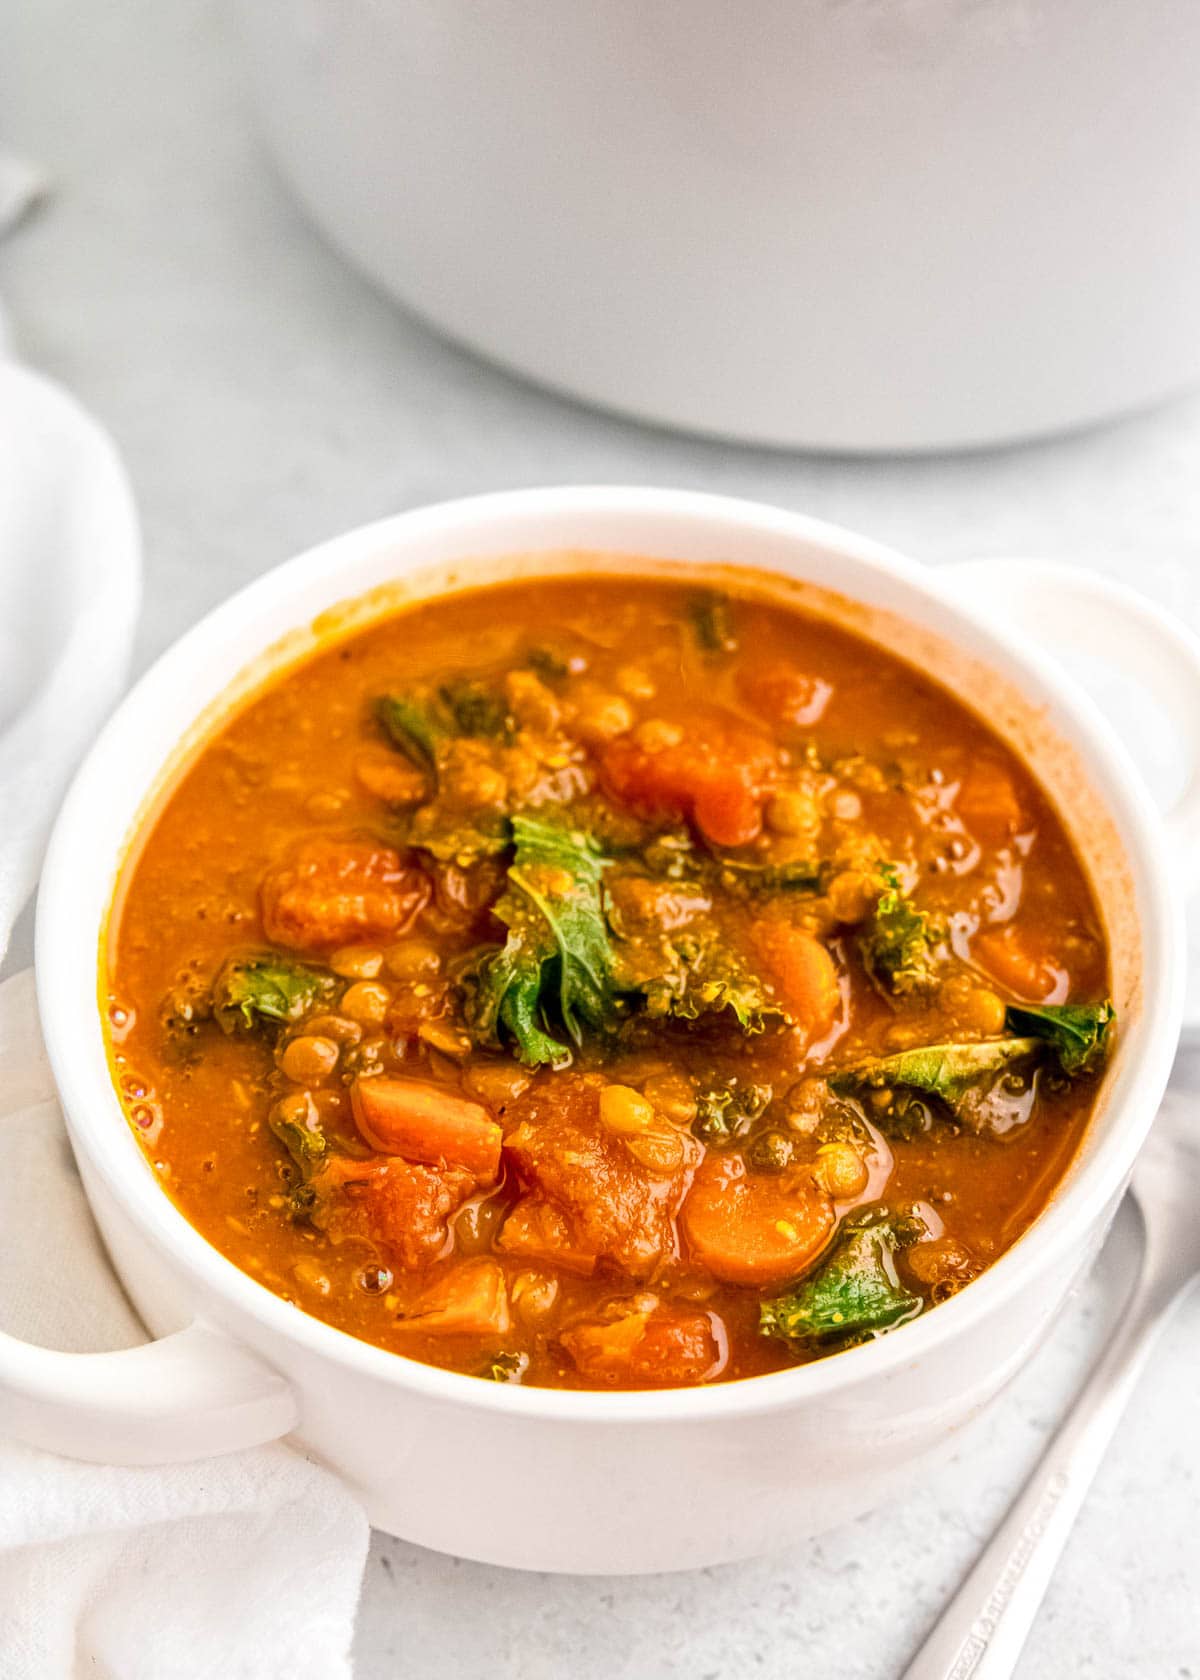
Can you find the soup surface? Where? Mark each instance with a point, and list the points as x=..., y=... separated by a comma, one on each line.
x=600, y=983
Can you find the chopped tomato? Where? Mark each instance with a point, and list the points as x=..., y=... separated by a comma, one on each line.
x=801, y=971
x=335, y=892
x=715, y=772
x=426, y=1122
x=1014, y=957
x=392, y=1202
x=987, y=803
x=607, y=1202
x=470, y=1300
x=783, y=694
x=642, y=1341
x=536, y=1230
x=751, y=1227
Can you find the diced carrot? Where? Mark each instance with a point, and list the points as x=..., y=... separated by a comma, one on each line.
x=470, y=1300
x=752, y=1228
x=801, y=971
x=784, y=694
x=639, y=1341
x=425, y=1122
x=1012, y=956
x=987, y=803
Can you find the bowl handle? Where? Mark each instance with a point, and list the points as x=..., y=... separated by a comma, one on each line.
x=191, y=1395
x=1066, y=607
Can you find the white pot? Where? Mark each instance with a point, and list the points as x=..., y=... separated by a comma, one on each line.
x=834, y=224
x=598, y=1481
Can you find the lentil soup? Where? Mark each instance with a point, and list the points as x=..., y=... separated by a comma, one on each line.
x=602, y=983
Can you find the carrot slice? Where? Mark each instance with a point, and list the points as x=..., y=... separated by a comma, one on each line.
x=425, y=1122
x=802, y=971
x=471, y=1300
x=987, y=802
x=750, y=1228
x=1011, y=956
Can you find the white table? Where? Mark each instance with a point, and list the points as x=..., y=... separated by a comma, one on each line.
x=264, y=398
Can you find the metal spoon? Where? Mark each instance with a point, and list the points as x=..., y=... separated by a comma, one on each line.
x=983, y=1629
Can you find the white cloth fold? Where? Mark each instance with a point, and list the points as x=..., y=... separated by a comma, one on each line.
x=240, y=1568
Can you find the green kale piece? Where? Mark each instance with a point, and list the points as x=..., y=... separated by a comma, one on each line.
x=945, y=1071
x=986, y=1087
x=854, y=1295
x=1077, y=1033
x=700, y=975
x=412, y=725
x=725, y=1112
x=419, y=723
x=505, y=1368
x=555, y=969
x=475, y=708
x=897, y=943
x=712, y=622
x=754, y=877
x=304, y=1140
x=267, y=991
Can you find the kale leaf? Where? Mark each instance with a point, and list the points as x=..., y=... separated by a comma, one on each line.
x=303, y=1139
x=414, y=726
x=725, y=1112
x=418, y=723
x=800, y=876
x=712, y=622
x=266, y=991
x=555, y=969
x=1077, y=1033
x=855, y=1294
x=897, y=943
x=505, y=1367
x=475, y=708
x=700, y=975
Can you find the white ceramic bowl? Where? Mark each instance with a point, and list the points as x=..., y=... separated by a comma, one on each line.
x=595, y=1481
x=886, y=224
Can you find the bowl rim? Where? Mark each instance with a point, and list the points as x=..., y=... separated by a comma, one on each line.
x=92, y=1106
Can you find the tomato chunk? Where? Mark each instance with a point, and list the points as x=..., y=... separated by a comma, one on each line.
x=426, y=1122
x=401, y=1207
x=335, y=892
x=470, y=1300
x=752, y=1228
x=715, y=772
x=802, y=973
x=642, y=1341
x=781, y=693
x=536, y=1230
x=606, y=1201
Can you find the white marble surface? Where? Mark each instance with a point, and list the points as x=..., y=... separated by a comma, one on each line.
x=264, y=398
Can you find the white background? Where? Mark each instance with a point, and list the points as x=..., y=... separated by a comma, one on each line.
x=265, y=398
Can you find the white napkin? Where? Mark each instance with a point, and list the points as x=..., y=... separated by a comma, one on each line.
x=240, y=1568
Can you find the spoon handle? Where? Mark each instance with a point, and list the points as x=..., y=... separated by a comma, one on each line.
x=982, y=1631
